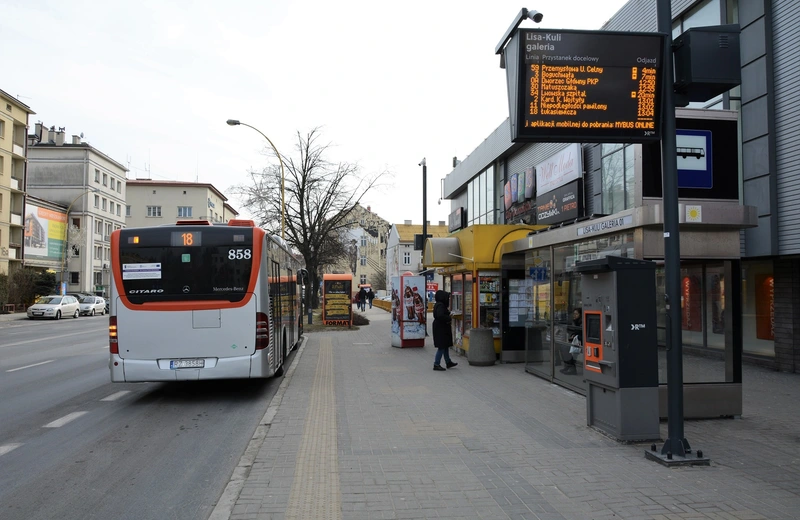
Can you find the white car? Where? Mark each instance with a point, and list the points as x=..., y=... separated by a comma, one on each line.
x=54, y=307
x=91, y=305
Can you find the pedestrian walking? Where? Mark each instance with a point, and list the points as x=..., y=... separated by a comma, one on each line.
x=442, y=333
x=370, y=297
x=362, y=299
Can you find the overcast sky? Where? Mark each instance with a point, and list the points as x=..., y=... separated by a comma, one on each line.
x=151, y=83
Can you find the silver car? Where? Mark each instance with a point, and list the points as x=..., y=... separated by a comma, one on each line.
x=54, y=307
x=91, y=305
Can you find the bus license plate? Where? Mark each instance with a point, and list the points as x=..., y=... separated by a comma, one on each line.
x=186, y=363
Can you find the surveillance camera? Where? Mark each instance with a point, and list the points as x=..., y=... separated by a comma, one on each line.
x=536, y=16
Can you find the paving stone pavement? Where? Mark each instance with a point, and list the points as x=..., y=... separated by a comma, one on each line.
x=497, y=443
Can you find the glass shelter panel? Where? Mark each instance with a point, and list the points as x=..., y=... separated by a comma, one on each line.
x=537, y=324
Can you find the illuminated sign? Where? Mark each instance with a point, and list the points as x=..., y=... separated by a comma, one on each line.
x=584, y=86
x=561, y=204
x=185, y=238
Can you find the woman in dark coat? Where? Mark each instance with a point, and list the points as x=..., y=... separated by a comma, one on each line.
x=442, y=333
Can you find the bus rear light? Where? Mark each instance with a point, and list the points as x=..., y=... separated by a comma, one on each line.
x=113, y=340
x=262, y=331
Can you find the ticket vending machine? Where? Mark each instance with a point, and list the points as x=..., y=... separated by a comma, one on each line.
x=620, y=347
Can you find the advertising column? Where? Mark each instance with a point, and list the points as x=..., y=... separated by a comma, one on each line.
x=337, y=306
x=409, y=310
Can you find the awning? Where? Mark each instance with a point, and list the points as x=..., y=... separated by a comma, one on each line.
x=441, y=252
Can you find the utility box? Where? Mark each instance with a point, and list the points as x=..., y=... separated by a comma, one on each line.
x=620, y=347
x=707, y=61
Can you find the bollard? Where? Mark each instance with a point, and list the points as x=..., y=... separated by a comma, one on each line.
x=309, y=316
x=481, y=348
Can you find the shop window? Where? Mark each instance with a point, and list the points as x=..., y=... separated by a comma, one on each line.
x=758, y=308
x=617, y=177
x=480, y=198
x=74, y=277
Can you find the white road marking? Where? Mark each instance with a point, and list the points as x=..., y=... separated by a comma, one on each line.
x=8, y=447
x=44, y=339
x=30, y=366
x=114, y=397
x=58, y=423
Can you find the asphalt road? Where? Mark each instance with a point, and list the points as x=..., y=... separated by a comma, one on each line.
x=74, y=445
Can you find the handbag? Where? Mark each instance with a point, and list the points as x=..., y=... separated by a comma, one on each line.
x=575, y=349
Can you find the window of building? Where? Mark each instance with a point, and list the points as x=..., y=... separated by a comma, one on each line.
x=119, y=187
x=98, y=227
x=363, y=279
x=118, y=209
x=113, y=183
x=407, y=258
x=127, y=211
x=363, y=240
x=97, y=201
x=617, y=177
x=76, y=223
x=480, y=198
x=104, y=204
x=109, y=228
x=111, y=207
x=363, y=260
x=153, y=211
x=98, y=253
x=184, y=211
x=2, y=128
x=2, y=164
x=105, y=179
x=96, y=175
x=98, y=278
x=74, y=277
x=107, y=253
x=1, y=202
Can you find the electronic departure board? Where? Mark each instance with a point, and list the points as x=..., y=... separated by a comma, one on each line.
x=584, y=86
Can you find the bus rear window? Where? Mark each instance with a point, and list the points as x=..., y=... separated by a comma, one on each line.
x=217, y=268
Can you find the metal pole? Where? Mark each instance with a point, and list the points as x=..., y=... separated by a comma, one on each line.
x=676, y=444
x=424, y=203
x=234, y=122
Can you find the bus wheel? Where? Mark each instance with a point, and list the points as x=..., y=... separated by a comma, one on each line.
x=279, y=372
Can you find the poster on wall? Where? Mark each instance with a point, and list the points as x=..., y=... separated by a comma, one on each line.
x=690, y=304
x=337, y=300
x=529, y=178
x=44, y=233
x=507, y=194
x=765, y=306
x=718, y=304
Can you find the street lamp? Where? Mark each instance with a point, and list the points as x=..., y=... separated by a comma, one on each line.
x=235, y=122
x=66, y=231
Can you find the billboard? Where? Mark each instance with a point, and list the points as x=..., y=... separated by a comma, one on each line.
x=563, y=203
x=44, y=233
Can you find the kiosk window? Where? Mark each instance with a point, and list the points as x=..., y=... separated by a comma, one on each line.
x=592, y=328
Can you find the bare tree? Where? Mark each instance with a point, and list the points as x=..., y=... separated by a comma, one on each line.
x=320, y=195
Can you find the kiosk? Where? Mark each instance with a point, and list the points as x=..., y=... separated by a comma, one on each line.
x=620, y=347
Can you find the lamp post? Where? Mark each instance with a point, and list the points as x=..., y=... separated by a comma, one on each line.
x=235, y=122
x=66, y=232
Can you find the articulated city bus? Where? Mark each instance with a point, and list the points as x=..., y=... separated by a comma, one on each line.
x=198, y=301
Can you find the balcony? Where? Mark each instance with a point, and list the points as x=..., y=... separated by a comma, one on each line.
x=16, y=184
x=18, y=149
x=16, y=219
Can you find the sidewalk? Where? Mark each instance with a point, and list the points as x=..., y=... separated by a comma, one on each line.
x=363, y=430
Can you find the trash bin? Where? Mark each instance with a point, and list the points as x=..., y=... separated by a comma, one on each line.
x=481, y=348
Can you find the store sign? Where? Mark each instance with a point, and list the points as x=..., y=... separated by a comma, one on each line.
x=458, y=220
x=605, y=225
x=560, y=169
x=564, y=203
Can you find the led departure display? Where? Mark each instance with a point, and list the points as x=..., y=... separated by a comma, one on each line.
x=586, y=86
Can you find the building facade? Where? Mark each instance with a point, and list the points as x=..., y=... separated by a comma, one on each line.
x=740, y=272
x=155, y=203
x=13, y=167
x=401, y=255
x=366, y=244
x=92, y=187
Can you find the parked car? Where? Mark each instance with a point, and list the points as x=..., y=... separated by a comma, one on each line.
x=54, y=307
x=91, y=305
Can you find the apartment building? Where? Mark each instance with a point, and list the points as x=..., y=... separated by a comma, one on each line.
x=366, y=243
x=155, y=203
x=13, y=150
x=92, y=187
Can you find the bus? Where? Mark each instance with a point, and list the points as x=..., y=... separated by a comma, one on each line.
x=196, y=301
